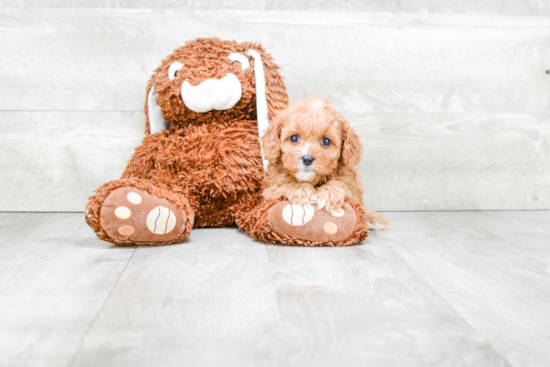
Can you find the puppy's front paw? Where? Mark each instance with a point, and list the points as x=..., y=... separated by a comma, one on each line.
x=305, y=194
x=330, y=198
x=375, y=221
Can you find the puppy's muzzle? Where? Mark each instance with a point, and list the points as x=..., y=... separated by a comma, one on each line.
x=307, y=160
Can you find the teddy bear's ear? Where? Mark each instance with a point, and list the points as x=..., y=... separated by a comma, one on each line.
x=271, y=95
x=154, y=120
x=275, y=90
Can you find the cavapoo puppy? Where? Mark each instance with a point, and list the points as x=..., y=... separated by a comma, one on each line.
x=313, y=153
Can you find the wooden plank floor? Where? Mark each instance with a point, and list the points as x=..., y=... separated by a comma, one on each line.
x=436, y=289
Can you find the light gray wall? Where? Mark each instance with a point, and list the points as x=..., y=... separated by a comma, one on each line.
x=452, y=103
x=489, y=7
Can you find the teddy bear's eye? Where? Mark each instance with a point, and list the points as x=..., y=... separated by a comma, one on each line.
x=173, y=70
x=326, y=142
x=294, y=138
x=241, y=59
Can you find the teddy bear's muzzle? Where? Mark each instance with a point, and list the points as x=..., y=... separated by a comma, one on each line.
x=212, y=94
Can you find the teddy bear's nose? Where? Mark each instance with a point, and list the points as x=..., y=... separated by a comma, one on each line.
x=308, y=160
x=208, y=87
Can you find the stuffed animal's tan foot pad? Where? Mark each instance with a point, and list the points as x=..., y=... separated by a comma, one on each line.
x=308, y=222
x=130, y=214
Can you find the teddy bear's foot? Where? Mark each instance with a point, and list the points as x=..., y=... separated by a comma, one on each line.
x=131, y=214
x=309, y=223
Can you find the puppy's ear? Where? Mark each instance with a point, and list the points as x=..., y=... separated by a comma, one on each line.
x=351, y=145
x=271, y=141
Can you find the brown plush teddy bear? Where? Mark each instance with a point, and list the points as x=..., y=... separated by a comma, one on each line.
x=200, y=164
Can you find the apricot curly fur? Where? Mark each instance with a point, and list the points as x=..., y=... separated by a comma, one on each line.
x=332, y=178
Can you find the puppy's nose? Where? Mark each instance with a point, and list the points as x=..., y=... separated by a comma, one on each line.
x=308, y=160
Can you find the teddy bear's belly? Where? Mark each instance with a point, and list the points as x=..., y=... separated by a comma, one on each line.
x=217, y=166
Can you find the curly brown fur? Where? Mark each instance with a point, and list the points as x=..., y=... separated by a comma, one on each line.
x=95, y=202
x=313, y=153
x=206, y=162
x=214, y=166
x=207, y=58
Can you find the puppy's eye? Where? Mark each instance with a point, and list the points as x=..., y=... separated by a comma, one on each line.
x=326, y=142
x=173, y=70
x=294, y=138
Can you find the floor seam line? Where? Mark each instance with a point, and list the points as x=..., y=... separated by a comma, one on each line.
x=99, y=311
x=448, y=303
x=497, y=351
x=277, y=304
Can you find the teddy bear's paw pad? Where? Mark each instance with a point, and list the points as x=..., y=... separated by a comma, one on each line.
x=130, y=214
x=308, y=222
x=161, y=220
x=298, y=215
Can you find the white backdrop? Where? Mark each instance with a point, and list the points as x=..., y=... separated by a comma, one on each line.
x=452, y=101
